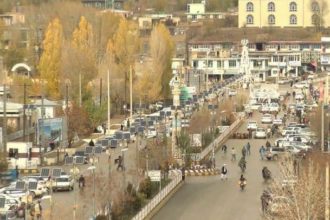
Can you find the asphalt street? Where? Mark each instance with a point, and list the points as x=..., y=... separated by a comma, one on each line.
x=210, y=198
x=213, y=198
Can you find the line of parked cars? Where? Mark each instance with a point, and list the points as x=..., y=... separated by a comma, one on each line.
x=297, y=139
x=14, y=197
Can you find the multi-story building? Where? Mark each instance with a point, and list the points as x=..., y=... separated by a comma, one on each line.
x=283, y=13
x=104, y=4
x=221, y=59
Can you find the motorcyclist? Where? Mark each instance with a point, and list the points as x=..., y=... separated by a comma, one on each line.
x=242, y=164
x=81, y=181
x=242, y=182
x=266, y=174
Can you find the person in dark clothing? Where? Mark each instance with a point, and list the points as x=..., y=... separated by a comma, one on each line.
x=81, y=181
x=248, y=148
x=224, y=148
x=224, y=172
x=243, y=151
x=91, y=143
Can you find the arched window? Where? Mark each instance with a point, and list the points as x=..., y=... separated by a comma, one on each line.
x=271, y=19
x=249, y=6
x=249, y=19
x=315, y=19
x=315, y=7
x=271, y=6
x=293, y=19
x=293, y=6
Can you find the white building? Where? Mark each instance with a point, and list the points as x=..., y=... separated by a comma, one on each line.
x=325, y=53
x=22, y=155
x=196, y=11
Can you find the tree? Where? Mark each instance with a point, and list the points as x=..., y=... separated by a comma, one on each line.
x=123, y=49
x=82, y=36
x=304, y=189
x=183, y=143
x=50, y=61
x=319, y=9
x=78, y=122
x=161, y=52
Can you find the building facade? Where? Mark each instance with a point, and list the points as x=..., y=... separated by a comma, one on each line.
x=267, y=59
x=283, y=13
x=196, y=11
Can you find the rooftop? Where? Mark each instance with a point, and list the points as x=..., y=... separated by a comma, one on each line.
x=256, y=35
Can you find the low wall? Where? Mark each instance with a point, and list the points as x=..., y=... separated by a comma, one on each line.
x=159, y=198
x=216, y=143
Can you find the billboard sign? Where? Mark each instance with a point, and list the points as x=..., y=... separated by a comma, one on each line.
x=51, y=130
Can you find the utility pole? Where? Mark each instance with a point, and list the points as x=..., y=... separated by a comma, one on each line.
x=131, y=92
x=4, y=130
x=80, y=98
x=41, y=130
x=24, y=113
x=327, y=203
x=109, y=102
x=324, y=103
x=100, y=91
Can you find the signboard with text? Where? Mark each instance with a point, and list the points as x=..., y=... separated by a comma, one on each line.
x=154, y=175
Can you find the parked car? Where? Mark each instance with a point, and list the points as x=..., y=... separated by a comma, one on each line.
x=260, y=133
x=274, y=107
x=290, y=130
x=267, y=119
x=301, y=85
x=277, y=121
x=293, y=150
x=252, y=125
x=151, y=132
x=299, y=96
x=274, y=153
x=64, y=182
x=265, y=108
x=255, y=106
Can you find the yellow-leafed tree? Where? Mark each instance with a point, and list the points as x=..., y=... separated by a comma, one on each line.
x=161, y=51
x=82, y=36
x=50, y=61
x=123, y=49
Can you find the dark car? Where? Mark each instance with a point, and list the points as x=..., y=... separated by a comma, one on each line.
x=81, y=153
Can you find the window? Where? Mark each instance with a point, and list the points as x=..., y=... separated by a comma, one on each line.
x=271, y=6
x=293, y=19
x=271, y=19
x=219, y=64
x=209, y=63
x=249, y=19
x=315, y=7
x=195, y=64
x=249, y=6
x=188, y=8
x=315, y=19
x=232, y=63
x=293, y=6
x=13, y=152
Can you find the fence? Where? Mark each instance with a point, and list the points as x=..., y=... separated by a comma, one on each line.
x=222, y=137
x=147, y=209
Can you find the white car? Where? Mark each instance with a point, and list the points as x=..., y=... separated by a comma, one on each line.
x=64, y=182
x=151, y=132
x=277, y=121
x=252, y=125
x=293, y=150
x=283, y=81
x=267, y=119
x=291, y=130
x=301, y=85
x=274, y=107
x=232, y=93
x=260, y=133
x=255, y=106
x=265, y=108
x=299, y=96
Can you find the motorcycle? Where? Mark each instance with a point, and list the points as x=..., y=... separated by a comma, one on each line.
x=266, y=174
x=242, y=184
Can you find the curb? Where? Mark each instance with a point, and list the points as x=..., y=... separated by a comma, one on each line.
x=28, y=171
x=202, y=172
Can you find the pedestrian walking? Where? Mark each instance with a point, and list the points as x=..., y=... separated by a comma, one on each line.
x=233, y=154
x=262, y=152
x=224, y=172
x=38, y=210
x=248, y=148
x=243, y=151
x=224, y=148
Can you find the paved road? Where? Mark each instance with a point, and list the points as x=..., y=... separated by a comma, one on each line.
x=210, y=198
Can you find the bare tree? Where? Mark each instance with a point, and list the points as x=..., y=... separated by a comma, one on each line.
x=301, y=187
